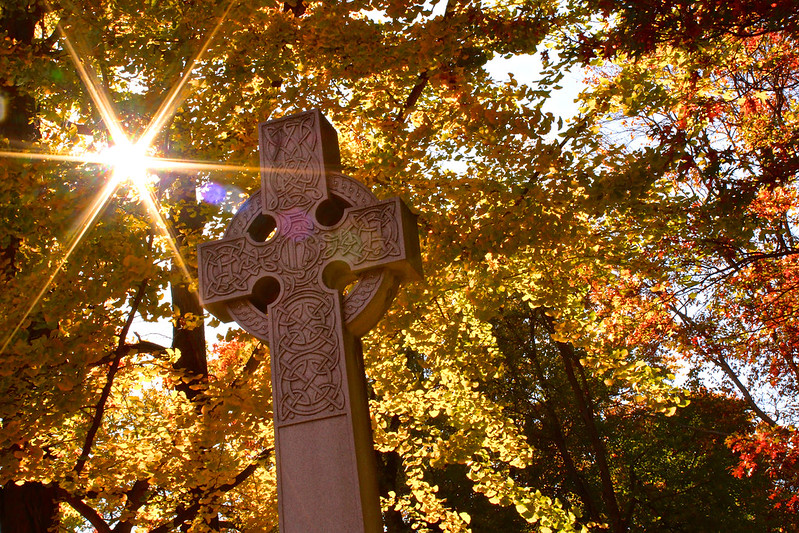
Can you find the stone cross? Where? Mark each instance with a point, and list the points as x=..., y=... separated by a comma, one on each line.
x=280, y=272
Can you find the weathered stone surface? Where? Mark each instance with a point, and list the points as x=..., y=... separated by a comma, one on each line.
x=279, y=272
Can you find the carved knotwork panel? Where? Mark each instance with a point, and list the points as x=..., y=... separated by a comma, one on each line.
x=307, y=333
x=367, y=235
x=231, y=265
x=308, y=375
x=356, y=301
x=295, y=152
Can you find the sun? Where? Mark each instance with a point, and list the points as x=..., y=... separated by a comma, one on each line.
x=129, y=162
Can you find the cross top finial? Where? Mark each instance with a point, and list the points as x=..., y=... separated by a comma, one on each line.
x=297, y=153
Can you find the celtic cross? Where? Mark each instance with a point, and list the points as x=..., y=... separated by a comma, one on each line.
x=280, y=272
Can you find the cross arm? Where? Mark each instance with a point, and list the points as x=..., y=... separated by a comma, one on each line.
x=228, y=269
x=382, y=235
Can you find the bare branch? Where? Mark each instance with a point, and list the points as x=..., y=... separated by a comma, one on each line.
x=145, y=347
x=85, y=510
x=719, y=361
x=112, y=370
x=416, y=93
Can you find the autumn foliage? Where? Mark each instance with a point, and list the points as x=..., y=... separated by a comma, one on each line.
x=607, y=336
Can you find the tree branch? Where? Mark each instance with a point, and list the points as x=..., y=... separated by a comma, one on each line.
x=416, y=93
x=135, y=499
x=145, y=347
x=112, y=370
x=190, y=511
x=85, y=510
x=557, y=426
x=584, y=402
x=725, y=367
x=424, y=77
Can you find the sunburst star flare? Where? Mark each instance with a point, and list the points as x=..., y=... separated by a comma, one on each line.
x=128, y=160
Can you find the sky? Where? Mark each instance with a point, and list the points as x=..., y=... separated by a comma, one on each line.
x=525, y=69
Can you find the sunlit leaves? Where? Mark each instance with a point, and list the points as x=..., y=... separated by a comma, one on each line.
x=646, y=244
x=707, y=111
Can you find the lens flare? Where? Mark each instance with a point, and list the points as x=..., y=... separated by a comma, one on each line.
x=213, y=193
x=129, y=161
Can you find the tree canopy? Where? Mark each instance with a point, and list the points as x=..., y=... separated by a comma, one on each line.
x=606, y=338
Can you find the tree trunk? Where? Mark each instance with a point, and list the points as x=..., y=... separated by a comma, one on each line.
x=389, y=466
x=584, y=406
x=27, y=508
x=190, y=341
x=556, y=428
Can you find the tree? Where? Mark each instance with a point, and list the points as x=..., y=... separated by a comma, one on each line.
x=128, y=433
x=696, y=170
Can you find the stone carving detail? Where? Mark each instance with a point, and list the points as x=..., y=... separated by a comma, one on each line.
x=362, y=293
x=293, y=163
x=373, y=236
x=309, y=370
x=249, y=318
x=231, y=265
x=241, y=310
x=303, y=322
